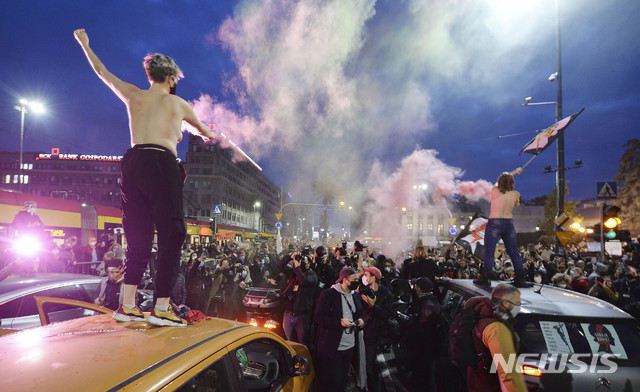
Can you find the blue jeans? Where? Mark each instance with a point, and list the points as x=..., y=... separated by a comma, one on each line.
x=496, y=229
x=296, y=328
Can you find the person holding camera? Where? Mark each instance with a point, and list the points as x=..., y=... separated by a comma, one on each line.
x=377, y=310
x=340, y=342
x=298, y=298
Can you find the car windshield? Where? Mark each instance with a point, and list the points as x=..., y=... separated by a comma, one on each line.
x=558, y=335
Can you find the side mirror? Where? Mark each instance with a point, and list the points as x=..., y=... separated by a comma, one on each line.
x=301, y=366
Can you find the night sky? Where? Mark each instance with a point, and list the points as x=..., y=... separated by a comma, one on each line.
x=358, y=92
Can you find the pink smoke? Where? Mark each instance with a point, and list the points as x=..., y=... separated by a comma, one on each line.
x=389, y=193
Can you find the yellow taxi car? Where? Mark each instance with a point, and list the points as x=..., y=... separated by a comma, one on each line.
x=96, y=353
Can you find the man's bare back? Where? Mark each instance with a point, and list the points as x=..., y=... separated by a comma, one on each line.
x=155, y=116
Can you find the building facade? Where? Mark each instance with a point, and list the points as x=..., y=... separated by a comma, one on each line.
x=237, y=190
x=93, y=179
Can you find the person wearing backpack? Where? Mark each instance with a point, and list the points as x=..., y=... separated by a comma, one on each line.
x=424, y=336
x=483, y=329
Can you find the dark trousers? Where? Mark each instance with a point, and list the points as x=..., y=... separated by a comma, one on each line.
x=151, y=195
x=333, y=371
x=373, y=370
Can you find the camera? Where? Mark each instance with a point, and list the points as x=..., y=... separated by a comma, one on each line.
x=366, y=290
x=402, y=316
x=600, y=279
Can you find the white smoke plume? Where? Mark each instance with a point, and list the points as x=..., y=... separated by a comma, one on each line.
x=329, y=87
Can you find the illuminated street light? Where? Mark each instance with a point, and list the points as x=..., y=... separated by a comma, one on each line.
x=36, y=107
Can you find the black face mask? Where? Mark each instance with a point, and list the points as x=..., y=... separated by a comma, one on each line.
x=353, y=285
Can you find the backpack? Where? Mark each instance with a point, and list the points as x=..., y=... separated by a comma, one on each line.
x=461, y=346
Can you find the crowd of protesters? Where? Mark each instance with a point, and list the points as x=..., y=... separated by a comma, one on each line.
x=340, y=301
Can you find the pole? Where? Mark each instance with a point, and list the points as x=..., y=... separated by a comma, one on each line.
x=23, y=110
x=602, y=232
x=279, y=236
x=560, y=141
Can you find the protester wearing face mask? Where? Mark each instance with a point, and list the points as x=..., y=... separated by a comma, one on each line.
x=377, y=300
x=88, y=253
x=562, y=281
x=495, y=326
x=389, y=272
x=339, y=338
x=538, y=277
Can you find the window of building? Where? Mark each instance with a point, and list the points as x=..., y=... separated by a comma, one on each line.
x=440, y=229
x=7, y=179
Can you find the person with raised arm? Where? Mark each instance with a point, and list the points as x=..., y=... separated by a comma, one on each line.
x=151, y=179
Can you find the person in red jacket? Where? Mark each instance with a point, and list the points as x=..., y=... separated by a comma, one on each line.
x=495, y=326
x=579, y=282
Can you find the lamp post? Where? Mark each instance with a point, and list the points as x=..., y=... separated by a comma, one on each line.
x=255, y=205
x=557, y=77
x=22, y=108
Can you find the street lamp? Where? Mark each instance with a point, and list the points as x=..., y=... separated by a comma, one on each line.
x=37, y=107
x=255, y=205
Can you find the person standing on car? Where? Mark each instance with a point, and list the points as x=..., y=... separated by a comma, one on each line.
x=151, y=179
x=495, y=327
x=376, y=300
x=339, y=318
x=500, y=225
x=299, y=299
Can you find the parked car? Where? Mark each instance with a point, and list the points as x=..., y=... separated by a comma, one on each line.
x=99, y=354
x=559, y=322
x=18, y=308
x=264, y=308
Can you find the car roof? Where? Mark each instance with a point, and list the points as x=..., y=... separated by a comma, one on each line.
x=18, y=285
x=550, y=300
x=99, y=353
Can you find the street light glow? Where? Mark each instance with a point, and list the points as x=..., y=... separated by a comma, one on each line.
x=37, y=107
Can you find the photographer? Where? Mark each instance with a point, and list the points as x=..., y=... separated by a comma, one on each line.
x=377, y=310
x=340, y=342
x=299, y=298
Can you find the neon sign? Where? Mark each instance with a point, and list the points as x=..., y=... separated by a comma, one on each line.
x=55, y=154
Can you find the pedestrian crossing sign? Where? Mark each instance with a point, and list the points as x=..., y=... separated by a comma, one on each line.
x=217, y=210
x=606, y=190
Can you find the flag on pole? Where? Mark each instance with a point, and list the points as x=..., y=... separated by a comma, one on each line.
x=472, y=236
x=545, y=138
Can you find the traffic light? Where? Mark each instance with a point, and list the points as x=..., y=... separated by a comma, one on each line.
x=610, y=221
x=342, y=203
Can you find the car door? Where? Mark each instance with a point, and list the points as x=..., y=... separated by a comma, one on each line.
x=22, y=312
x=216, y=374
